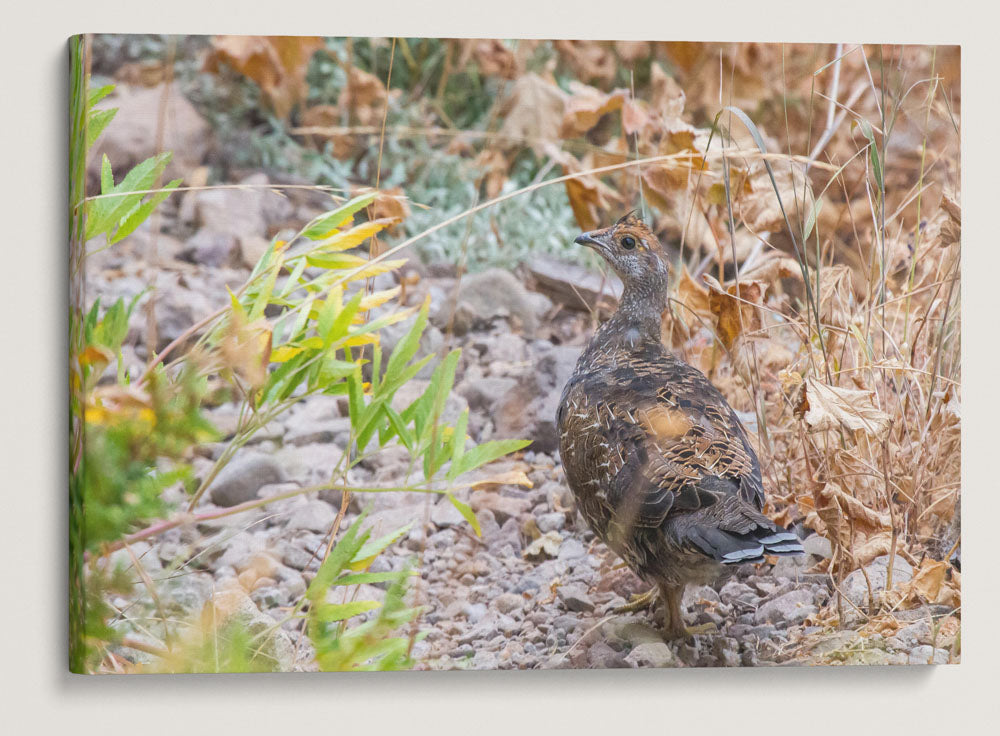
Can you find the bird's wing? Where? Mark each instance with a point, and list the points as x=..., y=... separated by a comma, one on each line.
x=679, y=446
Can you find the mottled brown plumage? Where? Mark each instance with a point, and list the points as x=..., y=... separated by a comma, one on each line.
x=659, y=463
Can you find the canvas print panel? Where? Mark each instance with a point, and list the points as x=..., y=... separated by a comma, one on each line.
x=424, y=354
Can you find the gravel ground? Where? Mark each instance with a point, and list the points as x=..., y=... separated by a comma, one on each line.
x=536, y=590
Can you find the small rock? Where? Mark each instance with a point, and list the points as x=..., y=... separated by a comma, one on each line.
x=211, y=248
x=554, y=520
x=601, y=656
x=651, y=654
x=926, y=654
x=508, y=603
x=503, y=507
x=482, y=393
x=474, y=612
x=575, y=598
x=855, y=586
x=444, y=514
x=242, y=477
x=313, y=516
x=571, y=549
x=793, y=607
x=487, y=296
x=133, y=136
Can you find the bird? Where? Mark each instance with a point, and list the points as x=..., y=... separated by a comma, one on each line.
x=659, y=463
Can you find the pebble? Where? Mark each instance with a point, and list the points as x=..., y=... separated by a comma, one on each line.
x=651, y=654
x=575, y=598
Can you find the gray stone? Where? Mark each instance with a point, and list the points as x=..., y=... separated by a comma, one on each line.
x=508, y=603
x=135, y=132
x=726, y=651
x=474, y=612
x=212, y=248
x=735, y=593
x=313, y=516
x=926, y=654
x=555, y=520
x=238, y=212
x=485, y=297
x=242, y=477
x=482, y=393
x=855, y=586
x=817, y=546
x=571, y=549
x=919, y=632
x=629, y=632
x=601, y=656
x=575, y=598
x=444, y=514
x=272, y=646
x=651, y=654
x=793, y=607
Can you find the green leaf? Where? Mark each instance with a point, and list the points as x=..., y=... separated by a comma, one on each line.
x=373, y=548
x=96, y=123
x=337, y=261
x=342, y=553
x=465, y=510
x=811, y=218
x=407, y=347
x=322, y=225
x=374, y=577
x=340, y=326
x=140, y=213
x=329, y=612
x=96, y=94
x=484, y=453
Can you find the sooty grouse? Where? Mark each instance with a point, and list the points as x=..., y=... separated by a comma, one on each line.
x=660, y=465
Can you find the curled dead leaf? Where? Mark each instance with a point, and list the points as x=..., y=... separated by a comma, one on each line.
x=533, y=113
x=826, y=407
x=592, y=61
x=277, y=64
x=586, y=106
x=735, y=308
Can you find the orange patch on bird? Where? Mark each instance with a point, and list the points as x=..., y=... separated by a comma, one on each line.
x=665, y=423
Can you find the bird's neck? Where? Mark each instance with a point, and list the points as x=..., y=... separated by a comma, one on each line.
x=639, y=315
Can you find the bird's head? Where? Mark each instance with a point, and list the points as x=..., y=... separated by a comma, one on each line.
x=632, y=250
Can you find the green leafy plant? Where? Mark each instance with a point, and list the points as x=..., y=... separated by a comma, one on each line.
x=302, y=324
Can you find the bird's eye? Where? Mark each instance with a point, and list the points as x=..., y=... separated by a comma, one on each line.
x=628, y=242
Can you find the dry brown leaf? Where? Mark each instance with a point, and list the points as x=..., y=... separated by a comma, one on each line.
x=246, y=350
x=592, y=61
x=495, y=167
x=758, y=206
x=633, y=51
x=770, y=267
x=836, y=295
x=277, y=64
x=696, y=310
x=492, y=56
x=586, y=106
x=828, y=407
x=364, y=96
x=533, y=113
x=735, y=308
x=588, y=196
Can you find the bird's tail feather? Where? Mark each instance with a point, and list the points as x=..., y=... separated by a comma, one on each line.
x=735, y=548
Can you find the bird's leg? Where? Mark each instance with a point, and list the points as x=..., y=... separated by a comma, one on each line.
x=638, y=602
x=673, y=618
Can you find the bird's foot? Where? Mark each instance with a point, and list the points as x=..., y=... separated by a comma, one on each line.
x=708, y=628
x=638, y=602
x=688, y=632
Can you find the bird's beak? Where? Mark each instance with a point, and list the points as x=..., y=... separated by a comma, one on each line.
x=588, y=239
